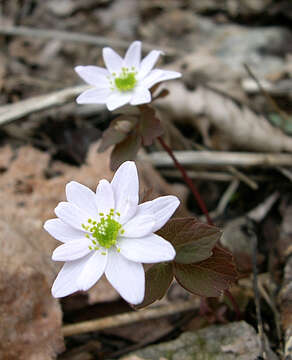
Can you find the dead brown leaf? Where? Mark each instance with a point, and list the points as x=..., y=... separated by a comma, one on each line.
x=239, y=125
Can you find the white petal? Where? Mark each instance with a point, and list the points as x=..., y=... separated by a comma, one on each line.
x=148, y=63
x=139, y=226
x=133, y=55
x=117, y=99
x=61, y=231
x=125, y=185
x=104, y=197
x=93, y=96
x=112, y=60
x=82, y=196
x=94, y=75
x=65, y=283
x=147, y=249
x=161, y=209
x=92, y=271
x=157, y=76
x=72, y=250
x=72, y=215
x=141, y=96
x=127, y=277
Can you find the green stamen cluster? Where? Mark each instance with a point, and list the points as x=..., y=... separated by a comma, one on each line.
x=126, y=81
x=103, y=234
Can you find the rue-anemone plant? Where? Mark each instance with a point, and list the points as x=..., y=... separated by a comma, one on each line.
x=108, y=231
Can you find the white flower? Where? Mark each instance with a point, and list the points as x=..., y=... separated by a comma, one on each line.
x=108, y=232
x=123, y=81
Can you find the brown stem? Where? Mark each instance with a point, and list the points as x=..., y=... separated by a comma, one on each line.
x=187, y=180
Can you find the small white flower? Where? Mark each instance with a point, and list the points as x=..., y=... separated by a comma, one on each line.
x=123, y=81
x=108, y=232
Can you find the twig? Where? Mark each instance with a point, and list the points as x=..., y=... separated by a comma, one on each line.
x=188, y=181
x=287, y=173
x=129, y=318
x=273, y=103
x=221, y=158
x=238, y=174
x=225, y=199
x=211, y=175
x=158, y=335
x=271, y=302
x=242, y=177
x=78, y=37
x=265, y=351
x=9, y=113
x=260, y=212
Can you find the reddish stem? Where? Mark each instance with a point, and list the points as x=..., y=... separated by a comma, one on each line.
x=202, y=206
x=234, y=304
x=187, y=180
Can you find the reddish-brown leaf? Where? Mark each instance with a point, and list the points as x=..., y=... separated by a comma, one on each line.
x=210, y=277
x=125, y=150
x=158, y=279
x=117, y=131
x=150, y=125
x=192, y=239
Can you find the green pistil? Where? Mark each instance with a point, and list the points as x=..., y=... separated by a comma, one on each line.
x=126, y=80
x=105, y=232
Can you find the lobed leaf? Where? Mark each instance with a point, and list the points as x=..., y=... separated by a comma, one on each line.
x=149, y=125
x=125, y=150
x=117, y=131
x=210, y=277
x=158, y=280
x=192, y=239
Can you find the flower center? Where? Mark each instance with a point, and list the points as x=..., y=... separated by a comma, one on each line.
x=103, y=234
x=126, y=80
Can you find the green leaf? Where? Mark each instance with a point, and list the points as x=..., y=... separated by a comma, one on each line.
x=158, y=280
x=192, y=239
x=210, y=277
x=125, y=150
x=149, y=125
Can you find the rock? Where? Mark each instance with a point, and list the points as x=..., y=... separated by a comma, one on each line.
x=223, y=342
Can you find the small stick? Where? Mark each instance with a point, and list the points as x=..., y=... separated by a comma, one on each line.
x=244, y=178
x=213, y=175
x=273, y=103
x=287, y=173
x=78, y=37
x=11, y=112
x=225, y=199
x=129, y=318
x=220, y=158
x=238, y=174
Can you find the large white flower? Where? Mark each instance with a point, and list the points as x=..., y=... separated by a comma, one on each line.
x=108, y=232
x=123, y=81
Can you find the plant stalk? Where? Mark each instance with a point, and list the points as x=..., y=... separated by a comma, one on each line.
x=187, y=180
